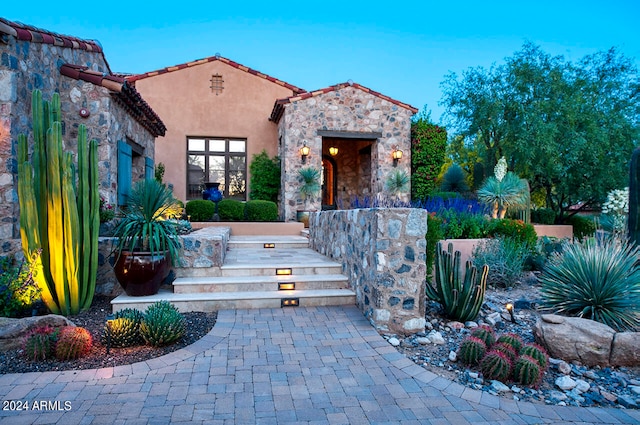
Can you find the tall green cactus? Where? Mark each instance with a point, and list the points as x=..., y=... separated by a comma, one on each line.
x=461, y=299
x=55, y=217
x=633, y=222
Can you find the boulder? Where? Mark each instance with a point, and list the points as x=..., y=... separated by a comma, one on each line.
x=13, y=331
x=575, y=339
x=626, y=349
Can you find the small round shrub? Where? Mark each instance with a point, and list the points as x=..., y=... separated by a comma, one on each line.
x=512, y=339
x=472, y=350
x=162, y=324
x=538, y=353
x=39, y=344
x=200, y=210
x=486, y=334
x=518, y=230
x=231, y=210
x=527, y=371
x=543, y=216
x=496, y=365
x=261, y=211
x=505, y=257
x=73, y=343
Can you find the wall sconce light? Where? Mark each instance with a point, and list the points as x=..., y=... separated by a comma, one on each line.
x=333, y=151
x=396, y=155
x=304, y=151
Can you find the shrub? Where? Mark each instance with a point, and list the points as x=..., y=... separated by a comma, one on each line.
x=543, y=216
x=18, y=291
x=472, y=350
x=583, y=227
x=73, y=343
x=495, y=365
x=597, y=280
x=265, y=177
x=261, y=211
x=200, y=210
x=454, y=180
x=517, y=230
x=231, y=210
x=434, y=235
x=505, y=258
x=462, y=225
x=39, y=344
x=107, y=211
x=428, y=146
x=162, y=324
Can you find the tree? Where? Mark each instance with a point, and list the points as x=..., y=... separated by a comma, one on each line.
x=428, y=146
x=265, y=177
x=569, y=129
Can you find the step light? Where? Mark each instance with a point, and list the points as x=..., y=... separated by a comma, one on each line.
x=269, y=245
x=289, y=302
x=284, y=272
x=286, y=286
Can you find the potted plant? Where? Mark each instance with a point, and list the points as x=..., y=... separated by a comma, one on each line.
x=147, y=240
x=309, y=188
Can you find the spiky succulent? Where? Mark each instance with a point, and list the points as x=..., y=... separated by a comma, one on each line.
x=162, y=324
x=39, y=343
x=538, y=353
x=512, y=339
x=472, y=350
x=496, y=365
x=73, y=343
x=597, y=280
x=507, y=349
x=527, y=371
x=124, y=330
x=485, y=333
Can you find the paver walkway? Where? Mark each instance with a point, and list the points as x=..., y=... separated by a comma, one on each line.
x=316, y=365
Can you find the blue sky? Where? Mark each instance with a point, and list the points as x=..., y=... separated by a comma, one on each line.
x=401, y=49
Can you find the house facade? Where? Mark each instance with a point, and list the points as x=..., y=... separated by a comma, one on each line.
x=114, y=113
x=220, y=113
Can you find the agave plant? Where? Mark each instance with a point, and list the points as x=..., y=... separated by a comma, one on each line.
x=397, y=182
x=597, y=280
x=145, y=223
x=310, y=182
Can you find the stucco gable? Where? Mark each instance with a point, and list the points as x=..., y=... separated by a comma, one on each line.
x=294, y=89
x=278, y=107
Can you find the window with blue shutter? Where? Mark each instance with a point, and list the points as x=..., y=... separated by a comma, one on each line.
x=124, y=171
x=149, y=171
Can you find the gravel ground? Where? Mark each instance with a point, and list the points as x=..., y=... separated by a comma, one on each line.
x=198, y=325
x=612, y=387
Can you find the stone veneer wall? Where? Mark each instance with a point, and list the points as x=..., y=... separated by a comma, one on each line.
x=383, y=252
x=25, y=66
x=202, y=254
x=347, y=109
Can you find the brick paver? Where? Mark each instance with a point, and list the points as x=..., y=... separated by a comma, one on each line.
x=314, y=365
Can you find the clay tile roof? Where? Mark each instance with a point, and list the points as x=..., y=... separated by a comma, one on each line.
x=124, y=93
x=236, y=65
x=37, y=35
x=278, y=107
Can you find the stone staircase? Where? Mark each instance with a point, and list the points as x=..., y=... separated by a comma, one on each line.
x=258, y=272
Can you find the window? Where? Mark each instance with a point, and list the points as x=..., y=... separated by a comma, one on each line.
x=216, y=160
x=217, y=84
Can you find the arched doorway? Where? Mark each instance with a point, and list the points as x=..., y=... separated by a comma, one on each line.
x=329, y=183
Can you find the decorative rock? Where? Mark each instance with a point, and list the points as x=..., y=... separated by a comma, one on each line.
x=455, y=325
x=576, y=396
x=394, y=341
x=627, y=401
x=609, y=397
x=13, y=331
x=564, y=367
x=575, y=339
x=423, y=340
x=453, y=356
x=557, y=396
x=473, y=375
x=565, y=383
x=493, y=318
x=413, y=325
x=499, y=387
x=626, y=349
x=582, y=386
x=471, y=324
x=436, y=338
x=635, y=389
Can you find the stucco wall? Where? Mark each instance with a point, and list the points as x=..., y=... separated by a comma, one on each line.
x=26, y=66
x=383, y=252
x=188, y=107
x=347, y=109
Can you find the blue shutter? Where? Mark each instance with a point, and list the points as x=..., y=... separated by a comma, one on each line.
x=149, y=172
x=124, y=172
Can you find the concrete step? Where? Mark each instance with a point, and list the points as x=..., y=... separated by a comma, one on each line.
x=208, y=302
x=185, y=285
x=271, y=269
x=268, y=242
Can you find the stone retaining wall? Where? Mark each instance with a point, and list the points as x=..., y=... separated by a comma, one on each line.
x=203, y=253
x=383, y=252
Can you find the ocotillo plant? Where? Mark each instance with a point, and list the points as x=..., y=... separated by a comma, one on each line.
x=57, y=216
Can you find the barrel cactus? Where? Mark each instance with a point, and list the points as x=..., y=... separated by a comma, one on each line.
x=472, y=350
x=124, y=329
x=505, y=348
x=496, y=365
x=485, y=333
x=162, y=324
x=39, y=343
x=73, y=343
x=527, y=371
x=512, y=339
x=538, y=353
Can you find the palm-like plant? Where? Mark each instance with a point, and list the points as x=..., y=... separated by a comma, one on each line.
x=145, y=224
x=310, y=183
x=509, y=193
x=597, y=280
x=397, y=182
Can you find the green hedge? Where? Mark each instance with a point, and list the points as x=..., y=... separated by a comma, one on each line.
x=231, y=210
x=514, y=229
x=543, y=216
x=582, y=226
x=261, y=211
x=200, y=210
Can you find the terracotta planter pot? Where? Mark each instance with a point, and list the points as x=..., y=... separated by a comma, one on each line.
x=140, y=273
